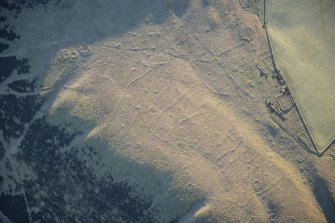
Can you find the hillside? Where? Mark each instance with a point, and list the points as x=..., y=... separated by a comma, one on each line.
x=152, y=111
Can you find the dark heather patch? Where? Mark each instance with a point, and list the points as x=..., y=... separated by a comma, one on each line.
x=22, y=86
x=11, y=63
x=2, y=152
x=15, y=112
x=4, y=4
x=31, y=3
x=1, y=183
x=8, y=34
x=3, y=47
x=2, y=18
x=19, y=5
x=70, y=189
x=14, y=207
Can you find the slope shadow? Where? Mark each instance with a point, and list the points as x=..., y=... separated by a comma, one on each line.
x=324, y=198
